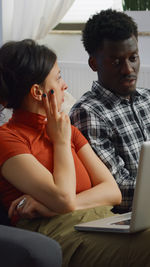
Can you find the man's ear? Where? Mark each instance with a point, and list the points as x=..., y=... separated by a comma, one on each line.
x=92, y=63
x=36, y=92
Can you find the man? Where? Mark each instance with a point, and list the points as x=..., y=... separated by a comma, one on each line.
x=115, y=115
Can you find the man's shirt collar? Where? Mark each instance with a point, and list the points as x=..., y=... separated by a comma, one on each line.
x=111, y=97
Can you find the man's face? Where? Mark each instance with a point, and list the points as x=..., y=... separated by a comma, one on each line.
x=118, y=66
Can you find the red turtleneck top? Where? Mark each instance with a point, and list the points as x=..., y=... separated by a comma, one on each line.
x=25, y=133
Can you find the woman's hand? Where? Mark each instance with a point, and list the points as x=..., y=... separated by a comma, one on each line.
x=58, y=124
x=28, y=208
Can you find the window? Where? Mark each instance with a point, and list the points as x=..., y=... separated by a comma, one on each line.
x=81, y=10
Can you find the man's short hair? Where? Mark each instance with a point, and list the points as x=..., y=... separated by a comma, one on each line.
x=108, y=24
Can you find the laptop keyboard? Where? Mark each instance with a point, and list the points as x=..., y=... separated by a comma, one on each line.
x=125, y=222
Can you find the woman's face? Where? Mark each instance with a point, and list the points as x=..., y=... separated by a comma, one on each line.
x=54, y=81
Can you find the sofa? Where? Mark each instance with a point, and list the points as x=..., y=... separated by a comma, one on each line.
x=22, y=248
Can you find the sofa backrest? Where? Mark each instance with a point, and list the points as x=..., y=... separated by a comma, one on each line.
x=4, y=216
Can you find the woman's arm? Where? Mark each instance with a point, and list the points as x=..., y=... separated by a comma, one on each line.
x=58, y=191
x=105, y=191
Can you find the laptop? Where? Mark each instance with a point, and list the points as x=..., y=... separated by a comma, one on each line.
x=139, y=218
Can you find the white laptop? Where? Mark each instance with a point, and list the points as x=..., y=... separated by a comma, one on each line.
x=139, y=218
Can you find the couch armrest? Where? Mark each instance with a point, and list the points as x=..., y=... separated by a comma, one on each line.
x=24, y=248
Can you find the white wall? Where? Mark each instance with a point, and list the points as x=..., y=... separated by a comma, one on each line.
x=142, y=18
x=69, y=47
x=144, y=49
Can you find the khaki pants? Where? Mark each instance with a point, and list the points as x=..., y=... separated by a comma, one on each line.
x=89, y=249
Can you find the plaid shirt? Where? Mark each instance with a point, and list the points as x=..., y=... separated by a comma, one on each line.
x=115, y=127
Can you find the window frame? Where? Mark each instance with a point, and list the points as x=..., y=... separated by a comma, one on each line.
x=69, y=27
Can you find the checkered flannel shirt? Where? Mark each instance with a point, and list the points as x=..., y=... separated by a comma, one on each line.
x=115, y=127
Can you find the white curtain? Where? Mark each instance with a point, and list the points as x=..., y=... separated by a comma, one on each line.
x=31, y=18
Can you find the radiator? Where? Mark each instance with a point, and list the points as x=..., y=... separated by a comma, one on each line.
x=79, y=77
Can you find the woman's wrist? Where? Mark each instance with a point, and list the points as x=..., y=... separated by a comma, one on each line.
x=62, y=144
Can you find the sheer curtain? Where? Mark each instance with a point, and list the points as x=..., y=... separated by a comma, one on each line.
x=31, y=18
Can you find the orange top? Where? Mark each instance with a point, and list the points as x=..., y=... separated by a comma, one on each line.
x=26, y=133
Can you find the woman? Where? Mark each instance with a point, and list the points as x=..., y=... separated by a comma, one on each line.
x=49, y=173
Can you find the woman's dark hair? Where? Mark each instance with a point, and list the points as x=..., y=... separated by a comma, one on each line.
x=22, y=64
x=108, y=24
